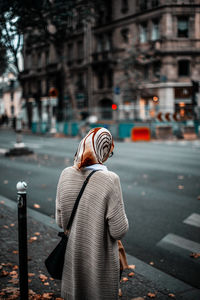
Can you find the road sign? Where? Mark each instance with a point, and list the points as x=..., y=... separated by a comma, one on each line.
x=117, y=90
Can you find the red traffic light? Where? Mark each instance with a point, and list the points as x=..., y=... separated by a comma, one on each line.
x=53, y=92
x=114, y=106
x=155, y=99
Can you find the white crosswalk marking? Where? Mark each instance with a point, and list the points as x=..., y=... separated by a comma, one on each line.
x=193, y=219
x=180, y=242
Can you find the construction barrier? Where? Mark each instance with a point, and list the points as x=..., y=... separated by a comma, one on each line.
x=164, y=132
x=140, y=134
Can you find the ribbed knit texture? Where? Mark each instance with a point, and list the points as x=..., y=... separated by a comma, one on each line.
x=91, y=269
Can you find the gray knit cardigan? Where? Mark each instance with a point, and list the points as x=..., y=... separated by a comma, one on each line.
x=91, y=268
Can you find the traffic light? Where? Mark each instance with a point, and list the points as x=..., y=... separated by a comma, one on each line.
x=114, y=106
x=155, y=99
x=53, y=92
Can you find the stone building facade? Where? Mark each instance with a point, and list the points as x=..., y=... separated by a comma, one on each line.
x=166, y=35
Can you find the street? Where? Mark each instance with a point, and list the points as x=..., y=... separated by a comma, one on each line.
x=161, y=189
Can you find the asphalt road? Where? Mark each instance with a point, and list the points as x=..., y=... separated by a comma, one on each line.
x=160, y=183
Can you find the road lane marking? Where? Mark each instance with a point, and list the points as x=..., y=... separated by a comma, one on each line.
x=193, y=219
x=3, y=151
x=180, y=242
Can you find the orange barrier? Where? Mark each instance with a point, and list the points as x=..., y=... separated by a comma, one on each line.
x=140, y=134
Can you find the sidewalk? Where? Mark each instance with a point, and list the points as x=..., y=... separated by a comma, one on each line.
x=145, y=283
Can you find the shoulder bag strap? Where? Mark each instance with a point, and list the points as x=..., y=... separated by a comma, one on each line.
x=77, y=201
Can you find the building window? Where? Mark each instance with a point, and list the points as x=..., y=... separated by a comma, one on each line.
x=124, y=6
x=183, y=68
x=143, y=33
x=80, y=81
x=39, y=60
x=100, y=43
x=183, y=27
x=146, y=72
x=156, y=70
x=80, y=51
x=108, y=42
x=47, y=57
x=155, y=30
x=154, y=3
x=70, y=53
x=100, y=81
x=110, y=79
x=125, y=35
x=12, y=110
x=143, y=4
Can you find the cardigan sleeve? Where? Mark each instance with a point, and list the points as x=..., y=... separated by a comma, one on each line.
x=116, y=216
x=58, y=207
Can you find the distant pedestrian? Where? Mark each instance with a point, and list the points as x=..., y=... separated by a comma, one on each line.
x=92, y=267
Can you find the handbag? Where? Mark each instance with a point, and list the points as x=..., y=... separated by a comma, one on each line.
x=55, y=261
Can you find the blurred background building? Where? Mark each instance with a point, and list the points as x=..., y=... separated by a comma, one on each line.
x=138, y=60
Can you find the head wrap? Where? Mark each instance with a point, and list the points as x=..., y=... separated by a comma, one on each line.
x=94, y=148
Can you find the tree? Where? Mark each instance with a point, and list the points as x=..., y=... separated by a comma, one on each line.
x=45, y=22
x=134, y=65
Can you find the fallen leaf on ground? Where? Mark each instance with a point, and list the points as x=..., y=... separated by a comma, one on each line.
x=37, y=233
x=36, y=205
x=15, y=267
x=43, y=277
x=11, y=290
x=31, y=274
x=15, y=251
x=14, y=281
x=171, y=295
x=2, y=202
x=31, y=292
x=4, y=273
x=151, y=263
x=120, y=293
x=5, y=226
x=124, y=279
x=59, y=298
x=33, y=238
x=137, y=298
x=7, y=264
x=131, y=274
x=195, y=255
x=12, y=224
x=151, y=295
x=14, y=274
x=131, y=267
x=47, y=295
x=46, y=283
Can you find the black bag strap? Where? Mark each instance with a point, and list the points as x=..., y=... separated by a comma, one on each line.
x=78, y=199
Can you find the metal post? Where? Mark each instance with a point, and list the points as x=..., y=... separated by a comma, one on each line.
x=22, y=239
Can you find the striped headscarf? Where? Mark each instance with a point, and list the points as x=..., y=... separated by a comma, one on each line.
x=94, y=148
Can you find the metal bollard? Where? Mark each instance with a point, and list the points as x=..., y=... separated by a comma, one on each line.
x=22, y=239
